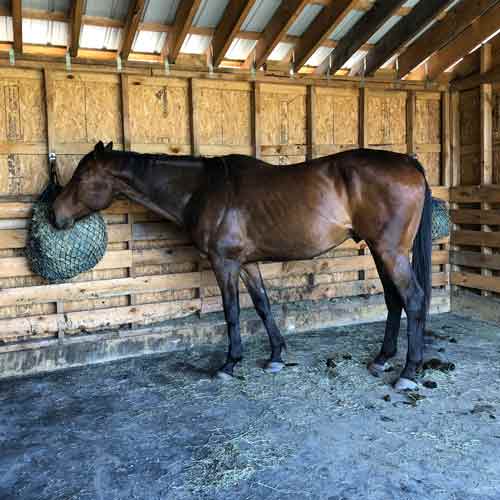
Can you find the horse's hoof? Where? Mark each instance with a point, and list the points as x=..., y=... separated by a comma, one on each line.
x=405, y=384
x=377, y=369
x=222, y=375
x=274, y=366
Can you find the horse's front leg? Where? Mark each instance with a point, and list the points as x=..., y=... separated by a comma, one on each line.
x=227, y=272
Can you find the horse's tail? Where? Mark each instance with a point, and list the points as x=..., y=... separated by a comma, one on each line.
x=422, y=248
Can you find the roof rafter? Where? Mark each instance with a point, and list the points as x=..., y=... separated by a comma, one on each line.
x=76, y=26
x=228, y=27
x=17, y=24
x=133, y=19
x=463, y=44
x=276, y=29
x=320, y=29
x=421, y=15
x=456, y=20
x=182, y=24
x=360, y=33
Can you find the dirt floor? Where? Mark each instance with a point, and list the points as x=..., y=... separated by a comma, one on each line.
x=159, y=427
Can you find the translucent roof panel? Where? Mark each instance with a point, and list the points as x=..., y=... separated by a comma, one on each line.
x=305, y=18
x=346, y=24
x=115, y=9
x=280, y=51
x=45, y=32
x=48, y=5
x=100, y=37
x=319, y=56
x=410, y=3
x=240, y=48
x=160, y=11
x=209, y=13
x=6, y=33
x=355, y=59
x=150, y=42
x=386, y=27
x=260, y=14
x=195, y=44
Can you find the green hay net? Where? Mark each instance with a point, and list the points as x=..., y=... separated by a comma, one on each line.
x=59, y=255
x=440, y=219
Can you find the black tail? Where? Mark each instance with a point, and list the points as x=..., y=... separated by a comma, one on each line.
x=422, y=248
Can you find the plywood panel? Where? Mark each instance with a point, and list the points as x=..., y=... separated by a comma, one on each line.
x=428, y=119
x=470, y=117
x=22, y=174
x=386, y=118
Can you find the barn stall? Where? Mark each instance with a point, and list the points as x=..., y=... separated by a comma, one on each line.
x=284, y=82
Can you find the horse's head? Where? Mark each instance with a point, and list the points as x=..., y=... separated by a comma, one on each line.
x=89, y=190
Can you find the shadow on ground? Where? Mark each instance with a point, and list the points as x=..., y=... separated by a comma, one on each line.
x=159, y=427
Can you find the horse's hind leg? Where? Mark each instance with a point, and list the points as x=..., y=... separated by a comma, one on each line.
x=255, y=285
x=394, y=309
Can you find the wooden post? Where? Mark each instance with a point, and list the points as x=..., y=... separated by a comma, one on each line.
x=310, y=123
x=256, y=91
x=193, y=126
x=486, y=142
x=455, y=167
x=124, y=82
x=363, y=118
x=411, y=110
x=445, y=139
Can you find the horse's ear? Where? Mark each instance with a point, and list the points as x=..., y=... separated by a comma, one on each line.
x=109, y=146
x=99, y=147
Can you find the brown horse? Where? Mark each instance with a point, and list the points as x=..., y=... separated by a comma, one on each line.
x=239, y=210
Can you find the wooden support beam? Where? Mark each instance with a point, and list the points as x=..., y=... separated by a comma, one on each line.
x=411, y=113
x=455, y=21
x=472, y=81
x=319, y=31
x=228, y=27
x=75, y=26
x=468, y=40
x=360, y=33
x=446, y=139
x=182, y=24
x=133, y=19
x=256, y=106
x=420, y=16
x=310, y=122
x=276, y=29
x=17, y=25
x=363, y=118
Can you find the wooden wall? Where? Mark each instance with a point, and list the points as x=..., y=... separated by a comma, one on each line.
x=151, y=272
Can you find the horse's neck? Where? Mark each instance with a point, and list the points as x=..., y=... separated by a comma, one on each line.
x=164, y=185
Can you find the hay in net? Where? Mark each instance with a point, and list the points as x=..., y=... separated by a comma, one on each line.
x=58, y=255
x=440, y=219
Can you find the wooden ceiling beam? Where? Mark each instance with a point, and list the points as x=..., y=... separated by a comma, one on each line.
x=453, y=23
x=133, y=19
x=475, y=80
x=228, y=27
x=276, y=29
x=17, y=25
x=320, y=29
x=75, y=26
x=180, y=29
x=360, y=33
x=463, y=44
x=421, y=15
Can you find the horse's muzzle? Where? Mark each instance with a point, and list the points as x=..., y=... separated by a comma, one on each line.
x=63, y=222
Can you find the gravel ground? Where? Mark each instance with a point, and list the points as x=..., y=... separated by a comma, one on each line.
x=159, y=427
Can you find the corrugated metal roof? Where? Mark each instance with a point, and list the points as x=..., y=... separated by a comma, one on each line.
x=195, y=44
x=209, y=13
x=260, y=14
x=346, y=24
x=115, y=9
x=100, y=37
x=48, y=5
x=150, y=42
x=240, y=48
x=280, y=51
x=319, y=56
x=387, y=26
x=305, y=18
x=6, y=32
x=45, y=32
x=160, y=11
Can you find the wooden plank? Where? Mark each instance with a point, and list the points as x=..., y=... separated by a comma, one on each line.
x=470, y=38
x=359, y=34
x=472, y=81
x=411, y=112
x=476, y=238
x=182, y=24
x=256, y=119
x=320, y=29
x=475, y=194
x=228, y=27
x=406, y=29
x=475, y=259
x=310, y=122
x=471, y=216
x=17, y=25
x=125, y=109
x=129, y=31
x=456, y=20
x=276, y=29
x=363, y=118
x=446, y=159
x=476, y=281
x=75, y=26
